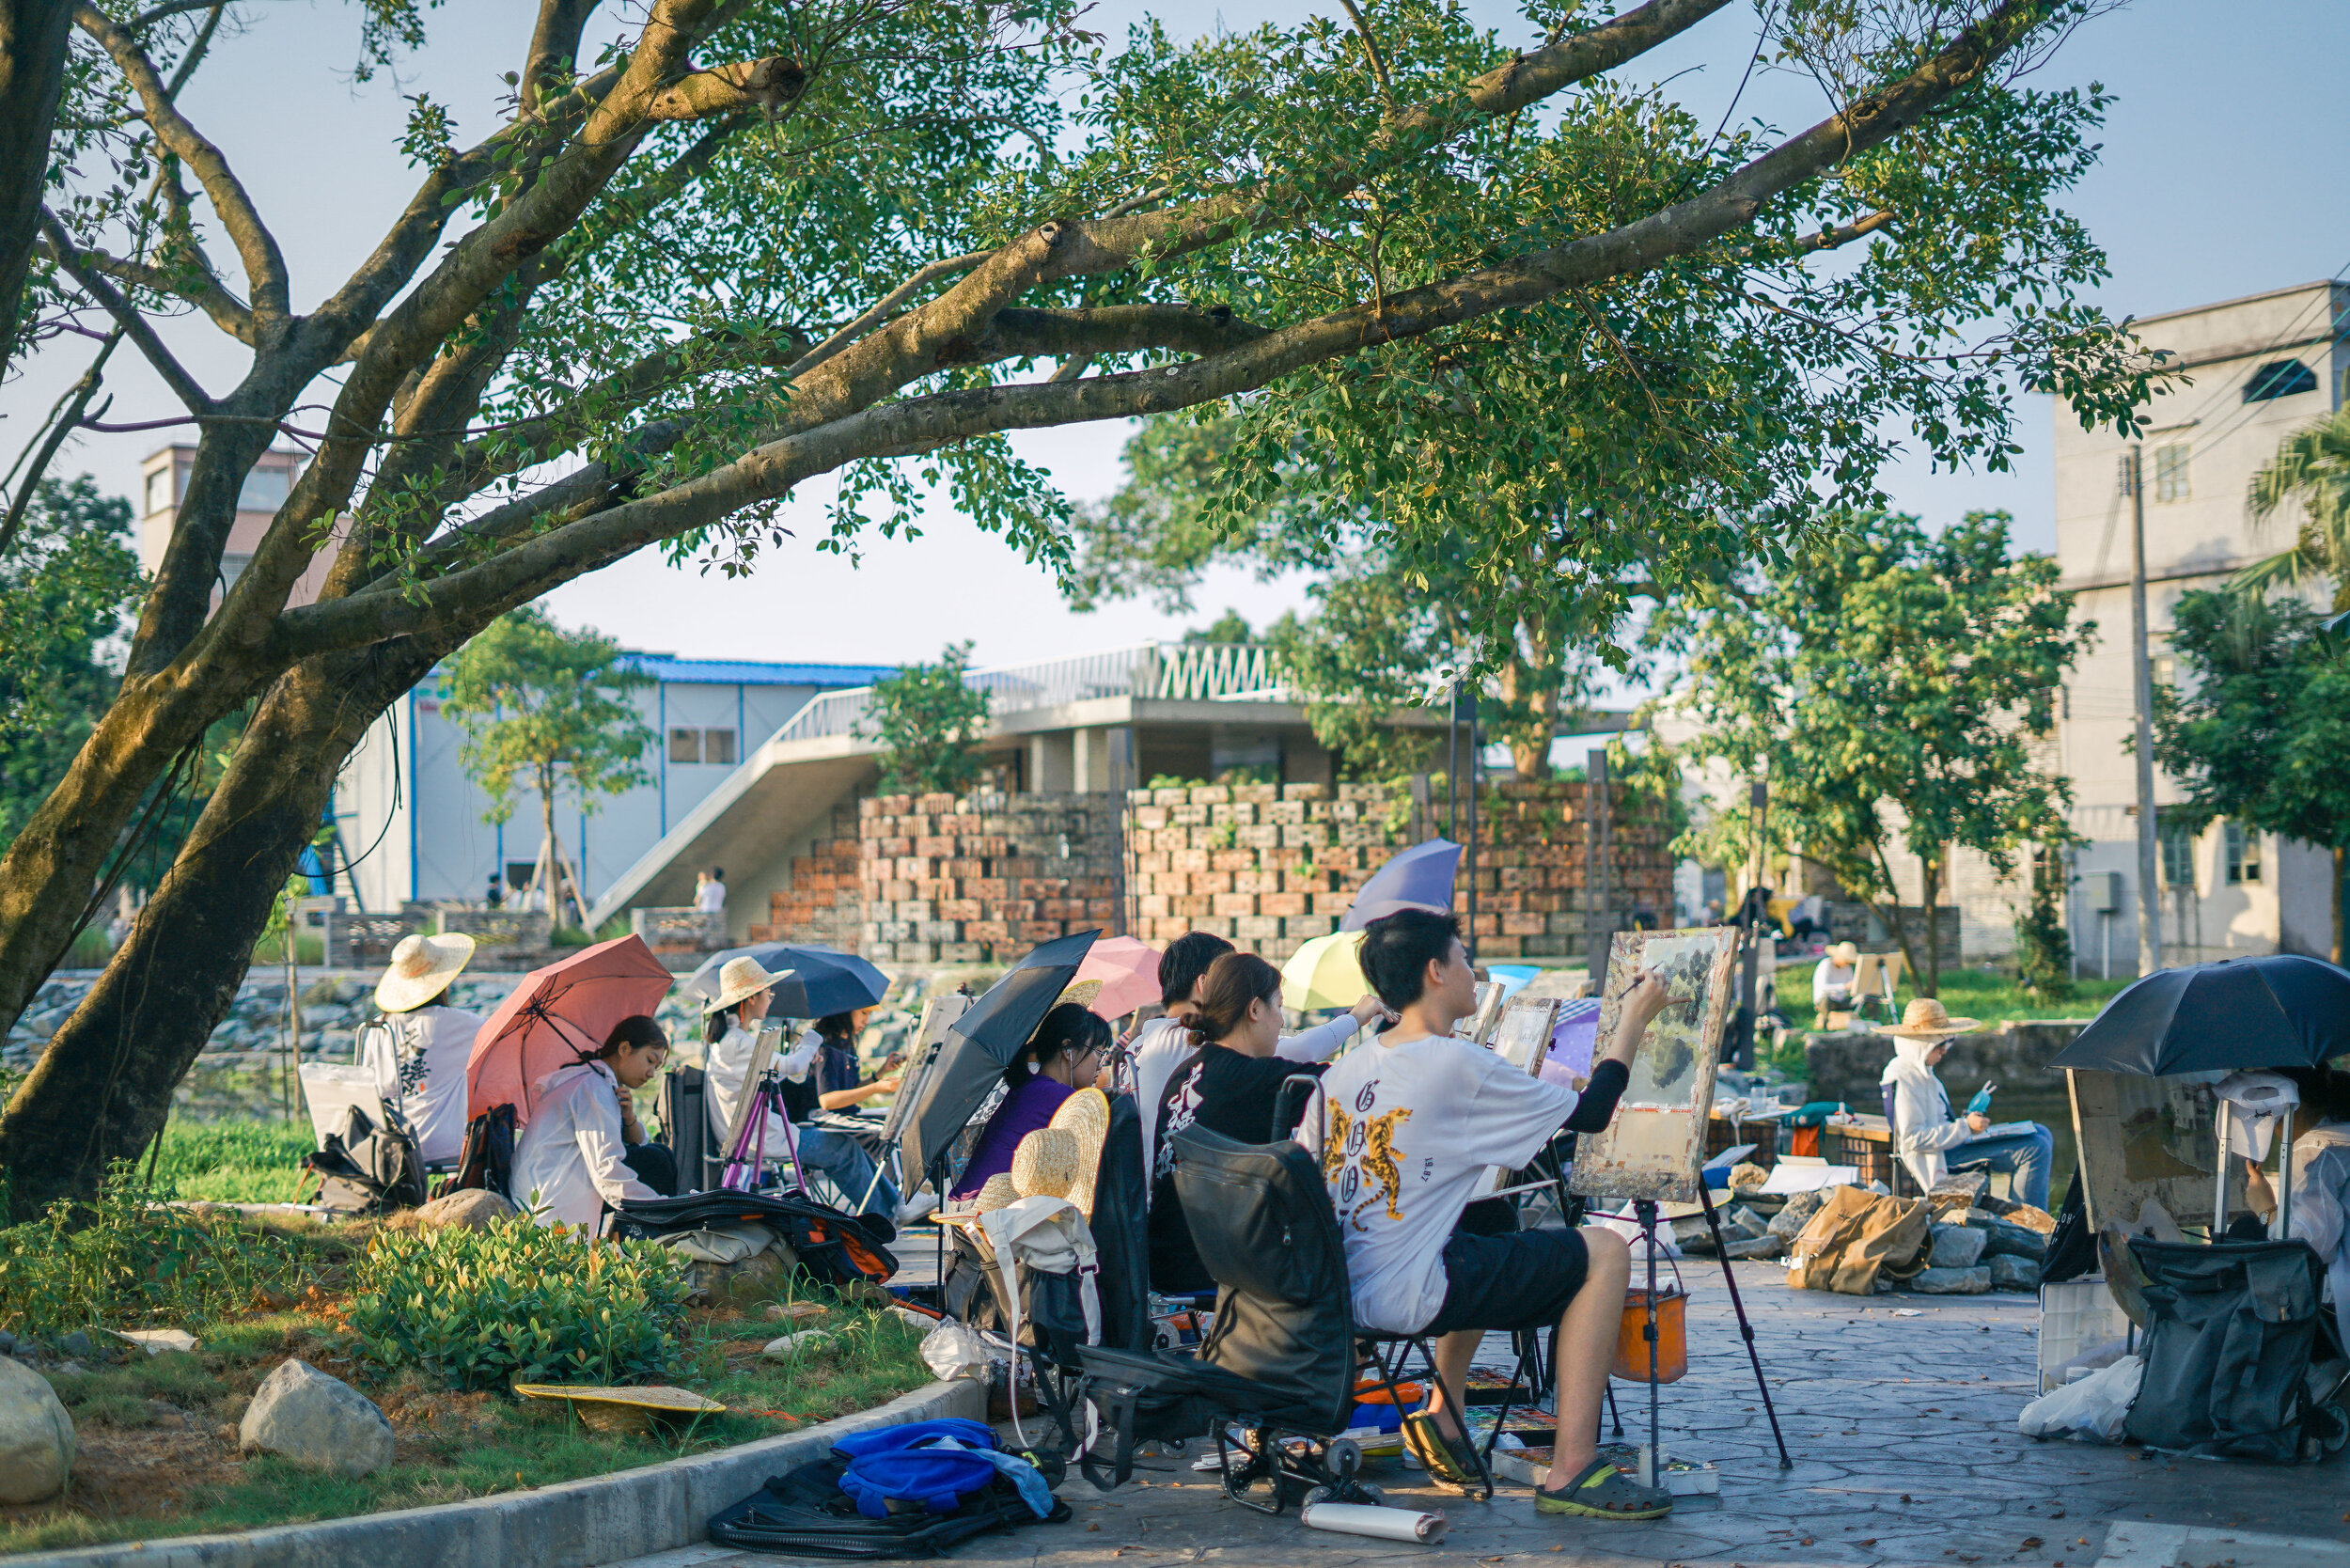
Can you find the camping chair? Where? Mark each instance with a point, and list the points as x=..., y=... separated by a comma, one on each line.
x=686, y=1125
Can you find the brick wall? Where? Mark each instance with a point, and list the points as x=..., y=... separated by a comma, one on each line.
x=984, y=878
x=825, y=903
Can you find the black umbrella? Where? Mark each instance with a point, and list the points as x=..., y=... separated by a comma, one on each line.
x=823, y=982
x=2281, y=1011
x=980, y=1044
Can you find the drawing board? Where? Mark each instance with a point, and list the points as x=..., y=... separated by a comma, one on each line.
x=1655, y=1142
x=2147, y=1140
x=937, y=1014
x=1522, y=1039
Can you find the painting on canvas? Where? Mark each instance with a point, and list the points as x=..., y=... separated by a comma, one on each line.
x=1657, y=1141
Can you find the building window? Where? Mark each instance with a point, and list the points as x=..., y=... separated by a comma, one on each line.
x=2170, y=472
x=2279, y=378
x=264, y=489
x=2243, y=853
x=685, y=746
x=159, y=490
x=702, y=746
x=718, y=747
x=2164, y=670
x=2178, y=857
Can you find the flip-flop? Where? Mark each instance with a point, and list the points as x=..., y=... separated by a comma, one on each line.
x=1602, y=1490
x=1449, y=1459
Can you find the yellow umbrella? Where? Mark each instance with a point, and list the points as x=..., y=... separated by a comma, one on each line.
x=1325, y=973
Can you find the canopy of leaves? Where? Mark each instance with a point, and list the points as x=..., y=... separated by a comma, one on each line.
x=544, y=706
x=927, y=717
x=2308, y=479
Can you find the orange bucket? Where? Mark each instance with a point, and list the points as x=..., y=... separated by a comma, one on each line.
x=1673, y=1336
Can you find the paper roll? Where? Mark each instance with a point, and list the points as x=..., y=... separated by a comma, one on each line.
x=1387, y=1524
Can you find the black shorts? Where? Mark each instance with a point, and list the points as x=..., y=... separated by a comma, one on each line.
x=1523, y=1279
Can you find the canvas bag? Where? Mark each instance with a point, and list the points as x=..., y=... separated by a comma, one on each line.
x=1855, y=1234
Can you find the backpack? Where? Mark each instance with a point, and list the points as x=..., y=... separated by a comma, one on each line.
x=368, y=1169
x=804, y=1512
x=2231, y=1330
x=832, y=1248
x=1855, y=1234
x=487, y=1162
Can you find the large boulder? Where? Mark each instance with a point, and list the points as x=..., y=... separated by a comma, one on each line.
x=473, y=1208
x=36, y=1437
x=311, y=1418
x=1957, y=1247
x=2007, y=1240
x=2011, y=1273
x=1951, y=1281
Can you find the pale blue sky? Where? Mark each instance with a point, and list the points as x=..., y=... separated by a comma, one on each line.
x=2211, y=185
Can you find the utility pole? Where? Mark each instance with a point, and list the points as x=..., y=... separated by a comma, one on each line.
x=1754, y=911
x=1465, y=710
x=2142, y=684
x=1601, y=923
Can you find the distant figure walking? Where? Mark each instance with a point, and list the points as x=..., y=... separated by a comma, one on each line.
x=710, y=890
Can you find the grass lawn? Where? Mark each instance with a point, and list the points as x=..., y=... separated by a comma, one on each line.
x=235, y=1162
x=1967, y=992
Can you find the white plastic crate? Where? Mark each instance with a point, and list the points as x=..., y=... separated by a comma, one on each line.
x=2075, y=1316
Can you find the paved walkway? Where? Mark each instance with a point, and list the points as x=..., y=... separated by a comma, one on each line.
x=1907, y=1454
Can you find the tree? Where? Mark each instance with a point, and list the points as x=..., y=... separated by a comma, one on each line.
x=1890, y=686
x=2257, y=730
x=2309, y=476
x=548, y=708
x=33, y=35
x=753, y=245
x=927, y=717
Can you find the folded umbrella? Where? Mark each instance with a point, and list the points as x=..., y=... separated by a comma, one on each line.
x=980, y=1045
x=1325, y=972
x=1128, y=969
x=559, y=1016
x=1419, y=878
x=2278, y=1011
x=822, y=980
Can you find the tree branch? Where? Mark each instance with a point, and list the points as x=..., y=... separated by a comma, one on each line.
x=63, y=418
x=554, y=47
x=1371, y=52
x=228, y=312
x=731, y=89
x=183, y=385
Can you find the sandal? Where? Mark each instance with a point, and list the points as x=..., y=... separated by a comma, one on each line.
x=1449, y=1459
x=1602, y=1490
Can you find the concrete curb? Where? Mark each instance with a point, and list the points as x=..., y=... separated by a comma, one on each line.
x=577, y=1523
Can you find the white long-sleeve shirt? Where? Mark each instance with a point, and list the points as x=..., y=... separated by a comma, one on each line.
x=2321, y=1206
x=567, y=1163
x=1166, y=1044
x=1829, y=976
x=418, y=1060
x=728, y=1063
x=1921, y=1113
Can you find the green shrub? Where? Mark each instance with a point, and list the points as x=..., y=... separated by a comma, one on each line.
x=130, y=1258
x=517, y=1303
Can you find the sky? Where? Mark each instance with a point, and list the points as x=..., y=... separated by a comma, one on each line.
x=2202, y=193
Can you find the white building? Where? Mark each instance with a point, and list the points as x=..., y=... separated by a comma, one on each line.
x=2257, y=368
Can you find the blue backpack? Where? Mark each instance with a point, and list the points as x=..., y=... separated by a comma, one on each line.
x=906, y=1465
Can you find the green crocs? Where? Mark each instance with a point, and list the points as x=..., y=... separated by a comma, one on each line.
x=1602, y=1491
x=1448, y=1459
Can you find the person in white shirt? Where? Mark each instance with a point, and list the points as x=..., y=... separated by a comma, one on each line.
x=1165, y=1044
x=1406, y=1127
x=746, y=990
x=1930, y=1141
x=710, y=890
x=573, y=1160
x=1832, y=980
x=419, y=1049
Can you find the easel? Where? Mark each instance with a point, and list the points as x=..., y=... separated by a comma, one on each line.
x=747, y=1139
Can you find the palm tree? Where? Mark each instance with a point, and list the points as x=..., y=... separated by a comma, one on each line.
x=2311, y=471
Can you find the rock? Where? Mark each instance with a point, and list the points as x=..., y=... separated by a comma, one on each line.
x=77, y=1343
x=2040, y=1220
x=2006, y=1240
x=36, y=1437
x=471, y=1209
x=1764, y=1246
x=1959, y=1191
x=311, y=1418
x=1956, y=1247
x=792, y=1345
x=157, y=1341
x=1741, y=1224
x=1952, y=1282
x=793, y=1311
x=2011, y=1273
x=1789, y=1222
x=8, y=1343
x=760, y=1274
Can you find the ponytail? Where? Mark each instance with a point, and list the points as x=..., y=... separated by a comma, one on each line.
x=1225, y=991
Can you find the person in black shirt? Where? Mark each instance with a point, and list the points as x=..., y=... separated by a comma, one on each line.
x=1228, y=1085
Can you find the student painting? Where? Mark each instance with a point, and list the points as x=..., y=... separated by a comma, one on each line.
x=1930, y=1140
x=1405, y=1126
x=576, y=1158
x=1063, y=1056
x=419, y=1049
x=1832, y=979
x=1164, y=1042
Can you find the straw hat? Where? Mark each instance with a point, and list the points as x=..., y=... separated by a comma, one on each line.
x=1927, y=1019
x=420, y=969
x=997, y=1193
x=739, y=977
x=1045, y=1164
x=1086, y=1115
x=1844, y=954
x=1080, y=992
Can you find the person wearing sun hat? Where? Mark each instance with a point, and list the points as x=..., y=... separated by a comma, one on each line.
x=745, y=989
x=418, y=1047
x=1063, y=1054
x=1930, y=1140
x=1832, y=980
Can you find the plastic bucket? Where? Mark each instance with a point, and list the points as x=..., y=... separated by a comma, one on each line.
x=1673, y=1336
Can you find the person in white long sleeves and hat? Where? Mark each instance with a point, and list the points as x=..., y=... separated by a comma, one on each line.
x=745, y=989
x=573, y=1160
x=418, y=1048
x=1930, y=1140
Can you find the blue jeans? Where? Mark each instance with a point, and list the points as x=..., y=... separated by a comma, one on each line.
x=844, y=1160
x=2027, y=1156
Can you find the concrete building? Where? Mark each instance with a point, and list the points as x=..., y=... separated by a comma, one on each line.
x=163, y=483
x=2257, y=368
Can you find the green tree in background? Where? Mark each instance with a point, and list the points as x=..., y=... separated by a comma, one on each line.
x=927, y=717
x=2310, y=478
x=1891, y=686
x=550, y=709
x=2258, y=730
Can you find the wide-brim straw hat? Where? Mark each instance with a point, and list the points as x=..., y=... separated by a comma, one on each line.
x=1844, y=954
x=1045, y=1164
x=1928, y=1019
x=1082, y=992
x=740, y=977
x=997, y=1192
x=1086, y=1115
x=420, y=969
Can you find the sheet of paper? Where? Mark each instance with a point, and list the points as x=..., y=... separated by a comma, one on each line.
x=1788, y=1178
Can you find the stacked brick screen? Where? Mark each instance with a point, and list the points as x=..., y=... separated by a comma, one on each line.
x=984, y=878
x=826, y=904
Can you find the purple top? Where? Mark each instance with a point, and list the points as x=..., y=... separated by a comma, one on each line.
x=1024, y=1110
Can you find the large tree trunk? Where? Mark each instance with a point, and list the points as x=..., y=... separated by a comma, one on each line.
x=101, y=1090
x=33, y=36
x=1930, y=889
x=1529, y=740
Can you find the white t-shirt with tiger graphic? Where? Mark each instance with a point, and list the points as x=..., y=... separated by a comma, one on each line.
x=1406, y=1130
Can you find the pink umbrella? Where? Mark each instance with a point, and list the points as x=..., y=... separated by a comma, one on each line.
x=1128, y=970
x=559, y=1016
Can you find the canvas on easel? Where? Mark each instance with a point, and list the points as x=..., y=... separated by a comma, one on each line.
x=938, y=1014
x=1655, y=1142
x=1522, y=1039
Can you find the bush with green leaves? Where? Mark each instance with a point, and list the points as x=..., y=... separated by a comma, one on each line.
x=517, y=1303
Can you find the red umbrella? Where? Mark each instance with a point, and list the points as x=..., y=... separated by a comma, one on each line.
x=1128, y=970
x=558, y=1015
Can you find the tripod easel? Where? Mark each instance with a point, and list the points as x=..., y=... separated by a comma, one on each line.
x=746, y=1137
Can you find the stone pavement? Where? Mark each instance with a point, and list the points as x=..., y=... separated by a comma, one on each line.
x=1907, y=1454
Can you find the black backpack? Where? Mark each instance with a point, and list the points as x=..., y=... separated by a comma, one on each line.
x=487, y=1162
x=2230, y=1333
x=368, y=1169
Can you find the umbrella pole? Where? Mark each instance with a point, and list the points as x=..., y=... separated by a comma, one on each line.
x=2219, y=1183
x=2285, y=1182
